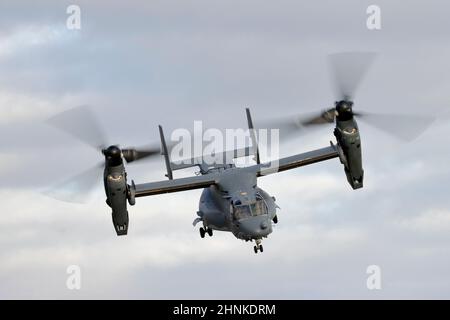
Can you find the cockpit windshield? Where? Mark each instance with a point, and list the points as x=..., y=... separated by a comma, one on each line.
x=242, y=212
x=258, y=208
x=255, y=209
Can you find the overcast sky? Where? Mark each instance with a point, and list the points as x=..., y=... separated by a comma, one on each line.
x=143, y=63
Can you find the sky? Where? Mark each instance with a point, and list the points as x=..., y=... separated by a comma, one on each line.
x=144, y=63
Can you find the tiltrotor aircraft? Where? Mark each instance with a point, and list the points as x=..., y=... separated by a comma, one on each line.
x=231, y=199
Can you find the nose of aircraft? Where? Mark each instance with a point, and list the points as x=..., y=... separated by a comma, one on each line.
x=256, y=227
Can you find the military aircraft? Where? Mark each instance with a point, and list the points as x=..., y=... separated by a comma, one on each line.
x=231, y=199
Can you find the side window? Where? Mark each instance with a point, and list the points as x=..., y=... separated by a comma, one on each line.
x=261, y=205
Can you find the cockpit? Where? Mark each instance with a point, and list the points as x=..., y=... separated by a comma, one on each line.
x=244, y=211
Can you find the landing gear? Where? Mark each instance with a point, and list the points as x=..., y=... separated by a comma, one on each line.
x=258, y=246
x=275, y=219
x=204, y=231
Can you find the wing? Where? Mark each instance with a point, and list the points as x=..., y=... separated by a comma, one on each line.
x=175, y=185
x=197, y=182
x=297, y=160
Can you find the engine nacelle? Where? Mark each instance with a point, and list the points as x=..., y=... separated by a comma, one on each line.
x=117, y=194
x=349, y=147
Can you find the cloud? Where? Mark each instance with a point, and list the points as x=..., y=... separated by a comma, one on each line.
x=433, y=221
x=32, y=37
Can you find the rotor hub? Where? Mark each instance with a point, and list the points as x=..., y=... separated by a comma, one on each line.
x=344, y=110
x=113, y=156
x=112, y=152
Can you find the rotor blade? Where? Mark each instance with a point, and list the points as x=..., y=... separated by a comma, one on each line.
x=406, y=127
x=348, y=70
x=135, y=154
x=294, y=125
x=81, y=123
x=78, y=188
x=324, y=117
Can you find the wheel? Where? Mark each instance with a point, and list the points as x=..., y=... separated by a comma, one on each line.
x=275, y=219
x=255, y=248
x=261, y=248
x=202, y=232
x=210, y=232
